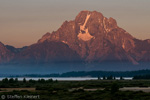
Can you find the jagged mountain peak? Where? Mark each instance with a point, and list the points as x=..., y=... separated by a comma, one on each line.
x=91, y=33
x=92, y=13
x=93, y=38
x=86, y=26
x=95, y=17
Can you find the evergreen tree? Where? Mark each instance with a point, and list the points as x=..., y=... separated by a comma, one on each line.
x=121, y=78
x=5, y=80
x=110, y=77
x=16, y=80
x=114, y=78
x=24, y=80
x=11, y=80
x=42, y=80
x=104, y=78
x=99, y=78
x=50, y=80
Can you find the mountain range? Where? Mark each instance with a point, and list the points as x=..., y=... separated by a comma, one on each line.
x=91, y=37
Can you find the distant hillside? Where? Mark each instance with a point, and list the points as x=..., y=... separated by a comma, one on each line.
x=90, y=74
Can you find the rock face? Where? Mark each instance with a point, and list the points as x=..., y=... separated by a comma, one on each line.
x=15, y=50
x=97, y=38
x=5, y=54
x=47, y=52
x=91, y=37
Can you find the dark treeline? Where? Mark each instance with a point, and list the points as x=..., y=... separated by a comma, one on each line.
x=90, y=74
x=142, y=76
x=15, y=80
x=105, y=73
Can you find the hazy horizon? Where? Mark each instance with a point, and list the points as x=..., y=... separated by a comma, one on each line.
x=23, y=22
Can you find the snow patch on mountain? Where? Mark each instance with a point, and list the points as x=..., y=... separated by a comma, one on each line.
x=84, y=32
x=82, y=27
x=65, y=42
x=105, y=26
